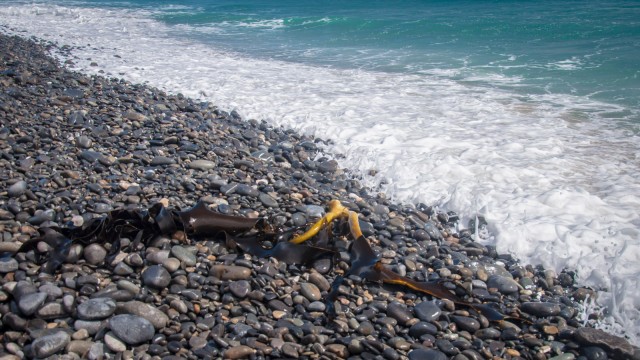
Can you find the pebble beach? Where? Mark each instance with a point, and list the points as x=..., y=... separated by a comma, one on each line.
x=74, y=147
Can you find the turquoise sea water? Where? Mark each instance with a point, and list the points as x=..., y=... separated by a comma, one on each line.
x=589, y=49
x=524, y=112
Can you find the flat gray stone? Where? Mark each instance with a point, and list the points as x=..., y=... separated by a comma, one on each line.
x=156, y=317
x=48, y=345
x=132, y=329
x=30, y=303
x=96, y=309
x=203, y=165
x=8, y=265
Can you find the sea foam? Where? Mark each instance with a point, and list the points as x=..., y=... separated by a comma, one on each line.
x=556, y=182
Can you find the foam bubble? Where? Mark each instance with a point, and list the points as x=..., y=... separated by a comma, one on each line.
x=556, y=183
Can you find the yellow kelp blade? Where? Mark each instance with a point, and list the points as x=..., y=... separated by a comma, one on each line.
x=336, y=210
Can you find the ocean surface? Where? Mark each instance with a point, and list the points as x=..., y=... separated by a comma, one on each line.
x=524, y=112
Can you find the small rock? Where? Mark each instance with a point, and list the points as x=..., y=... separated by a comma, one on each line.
x=48, y=345
x=230, y=272
x=30, y=303
x=94, y=254
x=424, y=354
x=399, y=312
x=541, y=309
x=156, y=276
x=96, y=309
x=157, y=318
x=504, y=285
x=427, y=311
x=113, y=343
x=184, y=254
x=131, y=329
x=240, y=288
x=8, y=265
x=239, y=352
x=268, y=200
x=596, y=337
x=203, y=165
x=17, y=189
x=310, y=291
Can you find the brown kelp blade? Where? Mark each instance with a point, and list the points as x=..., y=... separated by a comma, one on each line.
x=199, y=220
x=285, y=251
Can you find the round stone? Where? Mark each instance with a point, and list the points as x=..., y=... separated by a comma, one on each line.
x=466, y=323
x=17, y=189
x=239, y=352
x=504, y=284
x=30, y=303
x=427, y=311
x=240, y=288
x=96, y=309
x=156, y=276
x=8, y=265
x=310, y=291
x=47, y=345
x=399, y=312
x=183, y=254
x=94, y=254
x=131, y=329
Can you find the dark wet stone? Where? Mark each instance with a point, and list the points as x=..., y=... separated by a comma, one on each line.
x=131, y=329
x=96, y=309
x=50, y=344
x=329, y=166
x=541, y=309
x=184, y=255
x=594, y=353
x=17, y=189
x=424, y=354
x=84, y=141
x=596, y=337
x=504, y=285
x=399, y=312
x=239, y=352
x=94, y=254
x=488, y=333
x=466, y=323
x=156, y=276
x=157, y=318
x=310, y=291
x=318, y=306
x=30, y=303
x=240, y=288
x=162, y=160
x=246, y=190
x=427, y=311
x=268, y=200
x=322, y=265
x=420, y=328
x=90, y=156
x=8, y=265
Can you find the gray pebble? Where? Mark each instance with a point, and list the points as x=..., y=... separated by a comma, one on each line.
x=156, y=276
x=50, y=344
x=230, y=272
x=541, y=309
x=268, y=200
x=157, y=318
x=94, y=254
x=96, y=309
x=424, y=354
x=427, y=311
x=203, y=165
x=131, y=329
x=240, y=288
x=17, y=189
x=30, y=303
x=504, y=285
x=186, y=255
x=466, y=323
x=8, y=265
x=310, y=291
x=399, y=312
